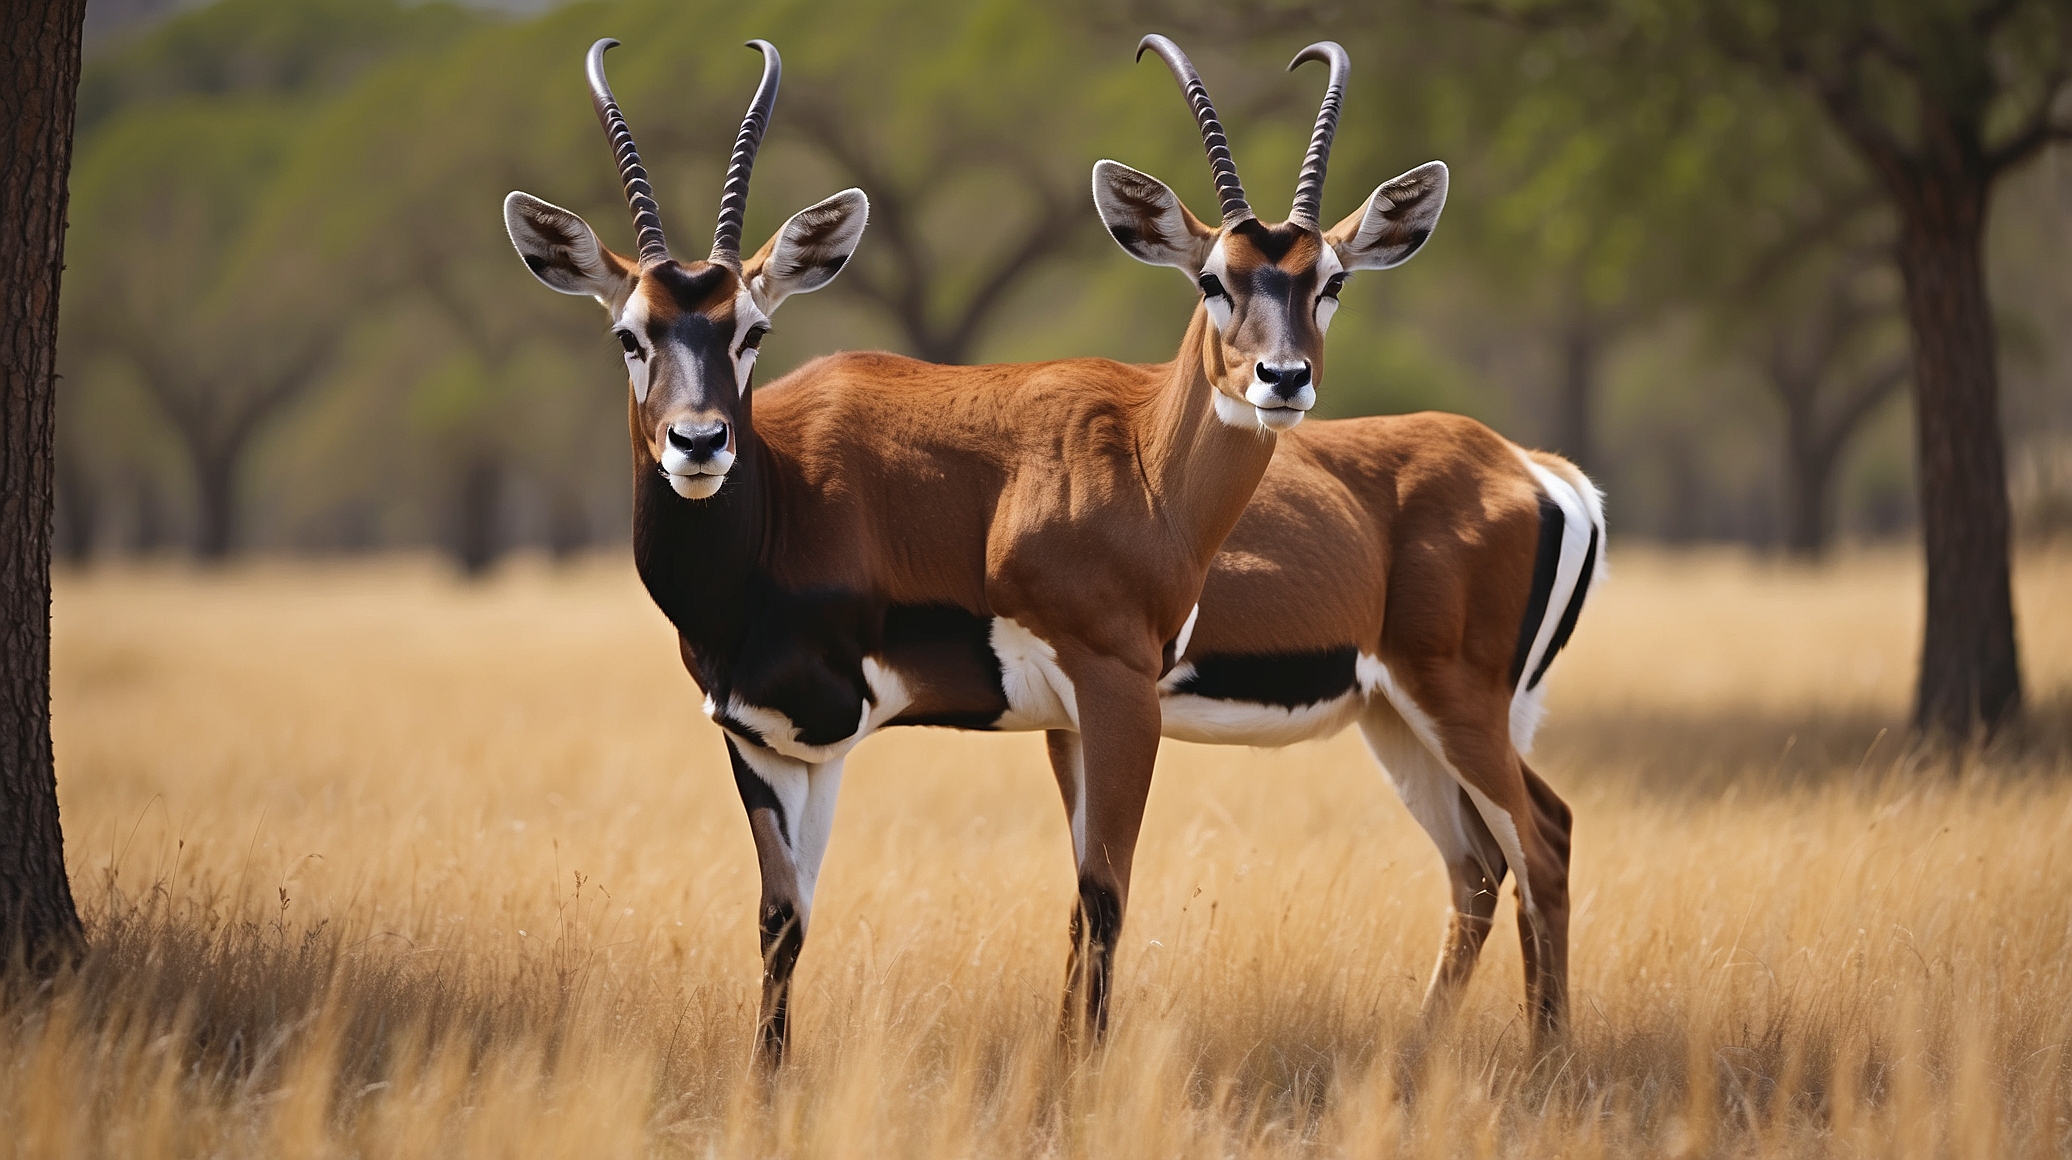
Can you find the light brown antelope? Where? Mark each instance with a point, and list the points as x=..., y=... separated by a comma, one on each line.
x=1424, y=572
x=877, y=541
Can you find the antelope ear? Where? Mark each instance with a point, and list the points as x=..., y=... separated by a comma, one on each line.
x=1394, y=223
x=1146, y=219
x=809, y=251
x=563, y=251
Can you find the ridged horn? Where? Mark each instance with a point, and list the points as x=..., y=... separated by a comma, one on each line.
x=733, y=199
x=1228, y=189
x=640, y=197
x=1309, y=187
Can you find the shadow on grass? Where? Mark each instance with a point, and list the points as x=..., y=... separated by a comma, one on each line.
x=1703, y=756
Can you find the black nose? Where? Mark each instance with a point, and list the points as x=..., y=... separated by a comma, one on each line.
x=699, y=441
x=1285, y=381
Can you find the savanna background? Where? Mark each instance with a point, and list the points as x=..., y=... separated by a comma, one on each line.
x=396, y=828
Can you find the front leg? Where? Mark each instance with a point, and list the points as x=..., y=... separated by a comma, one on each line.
x=791, y=810
x=1110, y=774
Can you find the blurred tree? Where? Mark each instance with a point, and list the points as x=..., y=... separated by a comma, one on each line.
x=165, y=287
x=1829, y=362
x=1940, y=98
x=236, y=47
x=39, y=47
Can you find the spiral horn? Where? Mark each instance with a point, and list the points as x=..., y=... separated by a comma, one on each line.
x=1309, y=187
x=733, y=200
x=1228, y=189
x=640, y=197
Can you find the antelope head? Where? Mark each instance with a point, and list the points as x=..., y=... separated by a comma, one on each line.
x=1269, y=290
x=689, y=330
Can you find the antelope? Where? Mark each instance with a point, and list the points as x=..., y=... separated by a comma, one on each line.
x=1425, y=572
x=875, y=541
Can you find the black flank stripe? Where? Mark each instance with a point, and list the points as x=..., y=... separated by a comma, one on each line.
x=1290, y=680
x=1575, y=609
x=1544, y=565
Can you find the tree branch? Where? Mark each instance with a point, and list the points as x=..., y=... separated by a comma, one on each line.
x=2038, y=129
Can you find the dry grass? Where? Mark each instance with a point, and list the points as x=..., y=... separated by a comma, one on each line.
x=378, y=865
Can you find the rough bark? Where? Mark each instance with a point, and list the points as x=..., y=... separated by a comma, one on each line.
x=39, y=83
x=1970, y=674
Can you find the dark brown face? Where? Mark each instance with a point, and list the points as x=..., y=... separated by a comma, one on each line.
x=690, y=330
x=691, y=334
x=1271, y=292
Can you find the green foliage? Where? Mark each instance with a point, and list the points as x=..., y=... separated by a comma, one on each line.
x=256, y=175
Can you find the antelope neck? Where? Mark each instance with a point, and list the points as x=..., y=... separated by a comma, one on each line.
x=702, y=560
x=1205, y=469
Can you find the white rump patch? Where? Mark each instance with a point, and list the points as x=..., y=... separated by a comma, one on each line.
x=1039, y=695
x=1579, y=514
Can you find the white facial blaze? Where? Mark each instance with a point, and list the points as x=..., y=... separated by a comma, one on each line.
x=1328, y=267
x=633, y=321
x=1218, y=305
x=747, y=316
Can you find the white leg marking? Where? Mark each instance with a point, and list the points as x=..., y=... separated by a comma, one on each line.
x=1420, y=779
x=1495, y=817
x=806, y=796
x=1039, y=695
x=1078, y=811
x=815, y=823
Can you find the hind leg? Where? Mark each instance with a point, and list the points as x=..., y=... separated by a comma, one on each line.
x=1545, y=945
x=1464, y=721
x=1474, y=862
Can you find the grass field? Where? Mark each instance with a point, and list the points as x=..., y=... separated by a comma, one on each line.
x=378, y=864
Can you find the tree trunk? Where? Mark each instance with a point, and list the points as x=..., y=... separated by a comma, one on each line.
x=1809, y=470
x=1970, y=677
x=1575, y=420
x=477, y=539
x=215, y=497
x=39, y=85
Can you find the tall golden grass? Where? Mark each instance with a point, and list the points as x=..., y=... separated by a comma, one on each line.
x=377, y=864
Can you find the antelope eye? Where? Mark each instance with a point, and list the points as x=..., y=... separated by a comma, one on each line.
x=1333, y=285
x=627, y=340
x=754, y=339
x=1212, y=287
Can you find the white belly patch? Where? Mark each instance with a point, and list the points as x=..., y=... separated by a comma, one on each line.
x=1223, y=721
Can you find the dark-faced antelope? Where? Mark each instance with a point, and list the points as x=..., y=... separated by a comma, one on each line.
x=877, y=541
